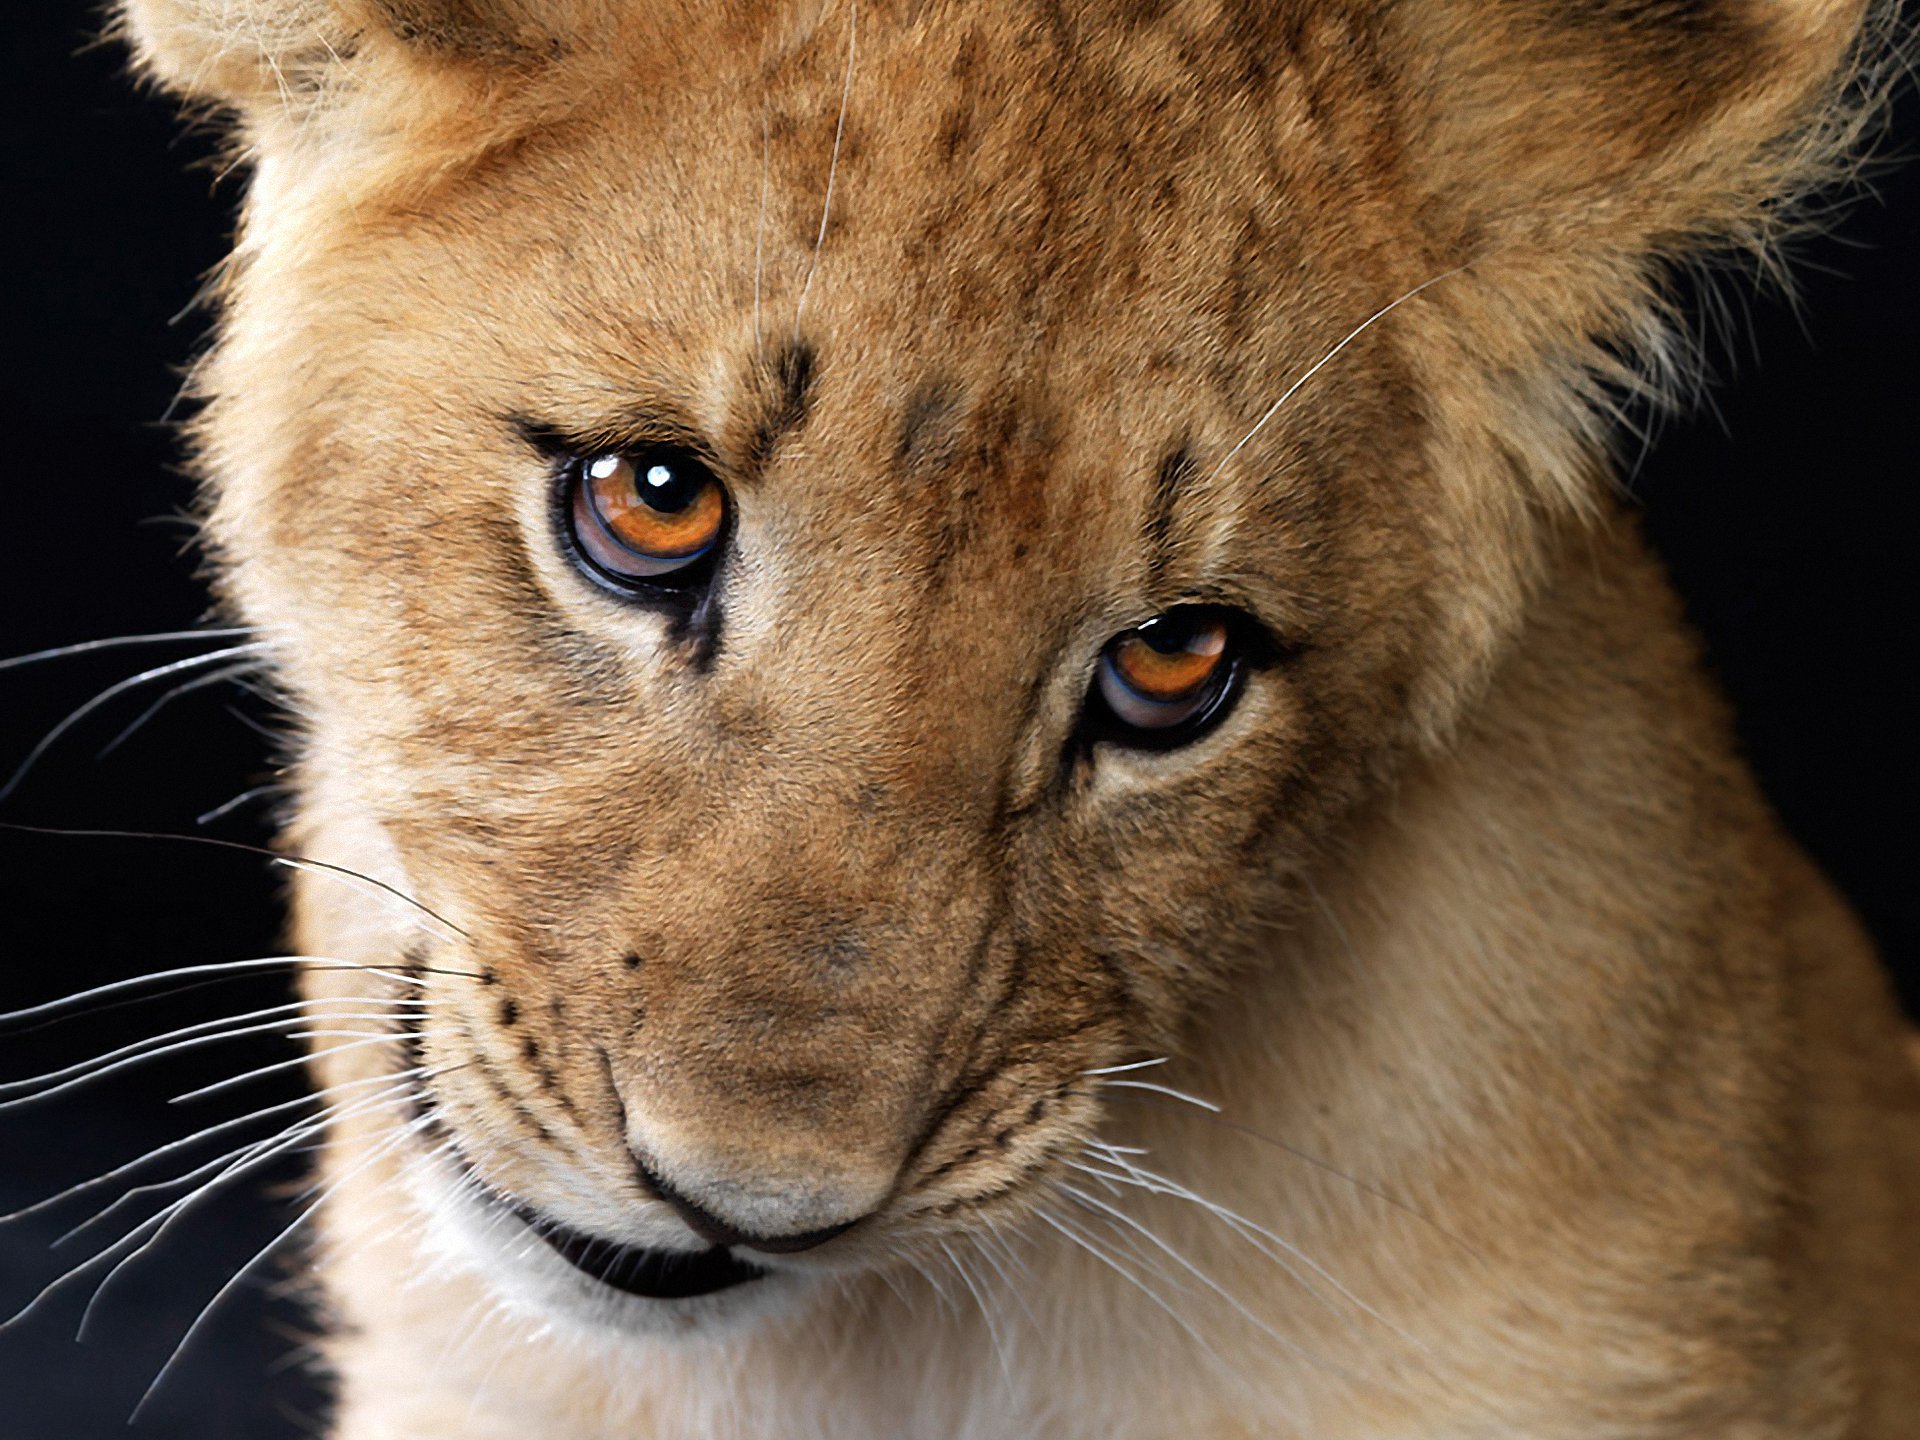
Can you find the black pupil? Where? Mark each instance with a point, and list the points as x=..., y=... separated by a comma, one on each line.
x=667, y=482
x=1170, y=634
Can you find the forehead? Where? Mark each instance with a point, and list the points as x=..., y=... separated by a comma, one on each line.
x=958, y=196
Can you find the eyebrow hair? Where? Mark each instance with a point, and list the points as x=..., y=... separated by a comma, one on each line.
x=785, y=403
x=628, y=429
x=1176, y=469
x=783, y=400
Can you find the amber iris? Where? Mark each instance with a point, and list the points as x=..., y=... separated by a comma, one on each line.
x=1168, y=672
x=647, y=515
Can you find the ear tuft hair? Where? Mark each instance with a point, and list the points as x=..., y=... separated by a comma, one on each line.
x=234, y=52
x=246, y=53
x=500, y=31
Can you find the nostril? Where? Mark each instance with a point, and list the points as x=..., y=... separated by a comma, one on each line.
x=717, y=1231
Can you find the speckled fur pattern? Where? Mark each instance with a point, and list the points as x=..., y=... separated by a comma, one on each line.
x=1558, y=1097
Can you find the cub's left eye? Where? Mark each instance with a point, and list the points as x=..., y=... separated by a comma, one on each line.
x=650, y=516
x=1171, y=679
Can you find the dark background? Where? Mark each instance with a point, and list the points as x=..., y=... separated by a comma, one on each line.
x=1777, y=510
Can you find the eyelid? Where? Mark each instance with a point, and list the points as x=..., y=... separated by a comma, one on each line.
x=562, y=444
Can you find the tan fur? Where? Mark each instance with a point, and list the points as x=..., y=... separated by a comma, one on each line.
x=1565, y=1097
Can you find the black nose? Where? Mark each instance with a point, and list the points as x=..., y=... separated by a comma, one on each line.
x=715, y=1230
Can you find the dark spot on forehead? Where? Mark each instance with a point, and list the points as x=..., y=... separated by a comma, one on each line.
x=1175, y=471
x=788, y=388
x=929, y=435
x=839, y=955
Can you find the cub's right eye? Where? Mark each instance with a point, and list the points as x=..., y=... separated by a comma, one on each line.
x=646, y=518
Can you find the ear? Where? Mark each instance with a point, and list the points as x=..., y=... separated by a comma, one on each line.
x=233, y=52
x=249, y=53
x=1629, y=125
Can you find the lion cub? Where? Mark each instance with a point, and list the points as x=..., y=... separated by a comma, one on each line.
x=1055, y=799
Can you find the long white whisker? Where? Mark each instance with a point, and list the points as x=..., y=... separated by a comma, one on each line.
x=986, y=1314
x=1166, y=1090
x=251, y=1158
x=1079, y=1237
x=226, y=1027
x=235, y=1081
x=1307, y=1157
x=224, y=969
x=186, y=687
x=187, y=1142
x=288, y=1139
x=1255, y=1234
x=1158, y=1184
x=380, y=1152
x=85, y=647
x=1153, y=1185
x=196, y=1042
x=220, y=812
x=1131, y=1065
x=106, y=696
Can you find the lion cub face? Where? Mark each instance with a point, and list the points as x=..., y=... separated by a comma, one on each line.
x=826, y=554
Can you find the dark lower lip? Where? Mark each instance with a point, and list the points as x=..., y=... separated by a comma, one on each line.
x=651, y=1274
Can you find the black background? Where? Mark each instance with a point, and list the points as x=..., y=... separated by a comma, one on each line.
x=1778, y=510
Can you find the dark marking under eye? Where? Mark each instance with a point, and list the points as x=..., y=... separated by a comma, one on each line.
x=697, y=632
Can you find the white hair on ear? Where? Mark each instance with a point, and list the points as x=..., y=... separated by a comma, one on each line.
x=233, y=51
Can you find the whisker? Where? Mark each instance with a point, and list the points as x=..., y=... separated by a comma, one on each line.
x=1293, y=1347
x=405, y=1133
x=1131, y=1065
x=225, y=1027
x=112, y=692
x=1260, y=1239
x=833, y=169
x=186, y=687
x=293, y=1136
x=118, y=642
x=265, y=732
x=222, y=970
x=292, y=862
x=220, y=1087
x=1324, y=360
x=1167, y=1090
x=198, y=1041
x=220, y=812
x=1079, y=1237
x=252, y=1157
x=986, y=1315
x=991, y=1244
x=1306, y=1157
x=149, y=1157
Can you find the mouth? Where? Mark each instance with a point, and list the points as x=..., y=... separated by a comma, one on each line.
x=650, y=1274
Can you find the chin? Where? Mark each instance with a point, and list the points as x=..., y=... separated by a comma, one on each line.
x=600, y=1290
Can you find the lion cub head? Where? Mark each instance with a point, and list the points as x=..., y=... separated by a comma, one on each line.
x=855, y=551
